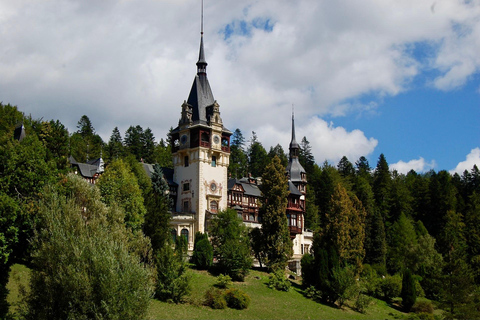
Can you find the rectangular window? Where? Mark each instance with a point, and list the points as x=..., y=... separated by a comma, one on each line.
x=186, y=161
x=186, y=186
x=214, y=161
x=186, y=206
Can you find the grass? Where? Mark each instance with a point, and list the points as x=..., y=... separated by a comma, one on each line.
x=265, y=303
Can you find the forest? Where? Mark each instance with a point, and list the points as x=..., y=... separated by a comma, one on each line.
x=377, y=233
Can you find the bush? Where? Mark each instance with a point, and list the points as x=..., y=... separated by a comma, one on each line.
x=278, y=281
x=215, y=299
x=391, y=287
x=237, y=299
x=409, y=293
x=86, y=266
x=173, y=283
x=223, y=281
x=343, y=284
x=422, y=307
x=362, y=303
x=202, y=252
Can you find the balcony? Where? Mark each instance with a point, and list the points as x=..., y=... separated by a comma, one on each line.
x=295, y=230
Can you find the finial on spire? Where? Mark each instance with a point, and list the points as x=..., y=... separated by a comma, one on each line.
x=201, y=63
x=201, y=28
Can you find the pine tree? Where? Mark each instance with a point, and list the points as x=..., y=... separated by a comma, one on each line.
x=409, y=293
x=115, y=145
x=257, y=157
x=278, y=151
x=306, y=157
x=238, y=165
x=157, y=218
x=278, y=246
x=202, y=255
x=382, y=181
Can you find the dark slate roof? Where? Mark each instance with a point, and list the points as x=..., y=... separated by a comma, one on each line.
x=250, y=188
x=19, y=133
x=292, y=189
x=167, y=173
x=295, y=169
x=200, y=98
x=86, y=170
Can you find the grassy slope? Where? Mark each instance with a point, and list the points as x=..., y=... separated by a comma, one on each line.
x=266, y=303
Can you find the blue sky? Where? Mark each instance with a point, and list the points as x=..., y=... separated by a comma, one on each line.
x=377, y=76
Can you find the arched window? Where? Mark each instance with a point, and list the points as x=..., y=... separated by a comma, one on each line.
x=214, y=206
x=173, y=233
x=184, y=233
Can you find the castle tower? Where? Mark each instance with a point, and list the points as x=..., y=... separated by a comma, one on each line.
x=201, y=150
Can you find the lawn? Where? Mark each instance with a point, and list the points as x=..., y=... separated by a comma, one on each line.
x=265, y=303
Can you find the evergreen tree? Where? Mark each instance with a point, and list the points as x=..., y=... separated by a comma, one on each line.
x=382, y=181
x=347, y=172
x=257, y=157
x=344, y=227
x=363, y=168
x=134, y=141
x=157, y=217
x=231, y=244
x=278, y=246
x=163, y=154
x=238, y=165
x=306, y=157
x=118, y=185
x=278, y=151
x=85, y=144
x=400, y=198
x=402, y=245
x=115, y=145
x=56, y=139
x=202, y=251
x=409, y=293
x=148, y=143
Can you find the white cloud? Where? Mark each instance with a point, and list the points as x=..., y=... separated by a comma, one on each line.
x=327, y=141
x=132, y=62
x=418, y=165
x=473, y=158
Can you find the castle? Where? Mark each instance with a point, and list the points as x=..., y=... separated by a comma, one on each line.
x=199, y=182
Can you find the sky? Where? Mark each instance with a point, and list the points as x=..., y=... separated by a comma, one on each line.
x=398, y=77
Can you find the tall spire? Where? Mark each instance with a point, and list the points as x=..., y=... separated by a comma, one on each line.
x=293, y=144
x=201, y=63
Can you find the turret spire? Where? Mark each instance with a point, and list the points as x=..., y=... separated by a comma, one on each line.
x=201, y=63
x=293, y=144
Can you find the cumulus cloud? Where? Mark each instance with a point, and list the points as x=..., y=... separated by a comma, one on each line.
x=328, y=142
x=473, y=158
x=132, y=62
x=418, y=165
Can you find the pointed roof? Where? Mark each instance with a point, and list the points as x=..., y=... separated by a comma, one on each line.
x=201, y=95
x=293, y=143
x=294, y=168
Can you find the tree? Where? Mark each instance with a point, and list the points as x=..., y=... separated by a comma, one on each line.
x=305, y=156
x=173, y=281
x=278, y=151
x=86, y=263
x=363, y=167
x=202, y=251
x=115, y=145
x=119, y=186
x=278, y=246
x=85, y=144
x=381, y=187
x=231, y=244
x=134, y=141
x=257, y=157
x=56, y=139
x=409, y=293
x=9, y=231
x=344, y=227
x=346, y=170
x=85, y=127
x=256, y=242
x=402, y=245
x=148, y=150
x=238, y=166
x=157, y=217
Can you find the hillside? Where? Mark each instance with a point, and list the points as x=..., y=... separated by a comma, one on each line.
x=265, y=303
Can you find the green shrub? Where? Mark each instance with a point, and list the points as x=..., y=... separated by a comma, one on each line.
x=422, y=307
x=215, y=299
x=278, y=281
x=311, y=293
x=362, y=303
x=409, y=293
x=391, y=287
x=237, y=299
x=202, y=252
x=223, y=281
